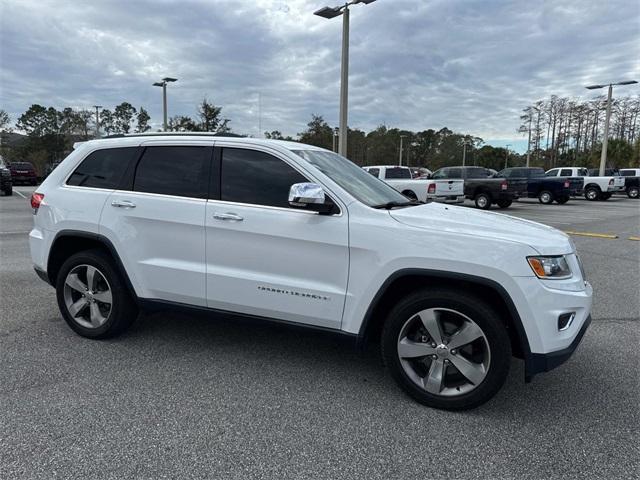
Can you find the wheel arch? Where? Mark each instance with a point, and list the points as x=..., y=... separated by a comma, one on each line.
x=69, y=242
x=404, y=281
x=595, y=185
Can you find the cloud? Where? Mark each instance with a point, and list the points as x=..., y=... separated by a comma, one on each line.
x=468, y=65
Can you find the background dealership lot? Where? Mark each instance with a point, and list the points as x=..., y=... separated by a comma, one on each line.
x=182, y=396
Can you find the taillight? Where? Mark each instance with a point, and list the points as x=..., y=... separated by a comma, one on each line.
x=36, y=200
x=611, y=182
x=566, y=184
x=431, y=188
x=504, y=185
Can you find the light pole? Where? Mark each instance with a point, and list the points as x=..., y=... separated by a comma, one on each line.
x=464, y=152
x=402, y=137
x=506, y=159
x=97, y=120
x=163, y=84
x=605, y=140
x=332, y=12
x=336, y=132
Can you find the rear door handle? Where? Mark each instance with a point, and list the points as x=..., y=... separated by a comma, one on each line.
x=227, y=216
x=123, y=204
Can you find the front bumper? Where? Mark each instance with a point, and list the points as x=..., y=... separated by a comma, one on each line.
x=544, y=362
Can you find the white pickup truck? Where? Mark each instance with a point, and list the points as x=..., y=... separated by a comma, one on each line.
x=400, y=178
x=595, y=188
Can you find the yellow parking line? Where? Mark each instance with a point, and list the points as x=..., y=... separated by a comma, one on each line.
x=637, y=239
x=595, y=235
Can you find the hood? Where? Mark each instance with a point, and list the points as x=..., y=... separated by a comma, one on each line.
x=467, y=221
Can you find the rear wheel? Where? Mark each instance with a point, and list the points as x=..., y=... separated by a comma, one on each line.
x=93, y=297
x=446, y=349
x=410, y=195
x=483, y=201
x=8, y=191
x=504, y=203
x=545, y=197
x=562, y=200
x=592, y=194
x=633, y=192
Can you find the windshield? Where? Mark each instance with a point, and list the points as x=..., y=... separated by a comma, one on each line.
x=360, y=184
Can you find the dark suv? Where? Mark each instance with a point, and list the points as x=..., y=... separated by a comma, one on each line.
x=6, y=185
x=23, y=172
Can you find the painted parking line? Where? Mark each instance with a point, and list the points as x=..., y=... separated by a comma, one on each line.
x=590, y=234
x=637, y=239
x=20, y=193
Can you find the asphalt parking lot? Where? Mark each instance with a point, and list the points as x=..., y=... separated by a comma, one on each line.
x=188, y=397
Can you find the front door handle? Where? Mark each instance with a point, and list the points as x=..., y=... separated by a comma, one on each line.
x=123, y=204
x=227, y=216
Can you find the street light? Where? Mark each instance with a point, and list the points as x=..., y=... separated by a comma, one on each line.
x=465, y=142
x=506, y=160
x=605, y=140
x=329, y=13
x=97, y=120
x=336, y=132
x=163, y=84
x=402, y=137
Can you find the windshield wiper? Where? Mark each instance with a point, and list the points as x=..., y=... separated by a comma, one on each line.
x=390, y=205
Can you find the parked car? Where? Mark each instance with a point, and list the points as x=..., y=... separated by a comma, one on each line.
x=576, y=184
x=545, y=189
x=595, y=188
x=23, y=172
x=306, y=238
x=482, y=189
x=631, y=181
x=6, y=185
x=423, y=190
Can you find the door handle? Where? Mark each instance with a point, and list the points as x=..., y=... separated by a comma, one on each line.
x=227, y=216
x=123, y=204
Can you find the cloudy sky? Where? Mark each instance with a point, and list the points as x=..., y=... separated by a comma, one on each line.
x=470, y=65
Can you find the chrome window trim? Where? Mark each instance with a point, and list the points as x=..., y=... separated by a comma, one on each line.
x=268, y=207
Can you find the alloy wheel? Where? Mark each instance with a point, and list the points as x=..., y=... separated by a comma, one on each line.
x=443, y=352
x=87, y=296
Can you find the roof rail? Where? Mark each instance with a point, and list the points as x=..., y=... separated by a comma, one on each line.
x=177, y=134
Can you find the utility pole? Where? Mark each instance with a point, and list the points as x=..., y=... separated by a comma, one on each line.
x=529, y=141
x=97, y=107
x=464, y=153
x=506, y=160
x=402, y=137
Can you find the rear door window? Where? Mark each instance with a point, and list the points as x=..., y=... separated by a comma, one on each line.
x=374, y=171
x=397, y=172
x=455, y=173
x=102, y=168
x=565, y=172
x=174, y=170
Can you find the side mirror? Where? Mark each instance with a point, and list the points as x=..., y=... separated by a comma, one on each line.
x=309, y=196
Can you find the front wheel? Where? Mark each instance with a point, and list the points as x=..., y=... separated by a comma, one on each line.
x=483, y=201
x=446, y=349
x=8, y=191
x=633, y=192
x=93, y=297
x=545, y=198
x=504, y=203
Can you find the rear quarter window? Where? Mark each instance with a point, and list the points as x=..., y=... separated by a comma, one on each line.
x=102, y=168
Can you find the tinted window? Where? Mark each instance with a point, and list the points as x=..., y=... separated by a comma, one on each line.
x=102, y=168
x=454, y=173
x=442, y=173
x=397, y=172
x=535, y=172
x=374, y=171
x=565, y=172
x=474, y=173
x=552, y=173
x=628, y=173
x=249, y=176
x=180, y=171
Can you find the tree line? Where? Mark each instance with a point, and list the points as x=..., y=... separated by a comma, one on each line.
x=562, y=131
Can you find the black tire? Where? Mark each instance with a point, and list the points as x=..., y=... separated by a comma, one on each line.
x=481, y=313
x=605, y=196
x=504, y=203
x=592, y=194
x=545, y=197
x=8, y=191
x=562, y=200
x=123, y=310
x=483, y=201
x=633, y=192
x=410, y=195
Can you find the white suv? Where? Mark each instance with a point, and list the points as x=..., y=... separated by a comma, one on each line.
x=297, y=234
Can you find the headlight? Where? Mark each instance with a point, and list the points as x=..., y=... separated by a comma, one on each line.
x=552, y=268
